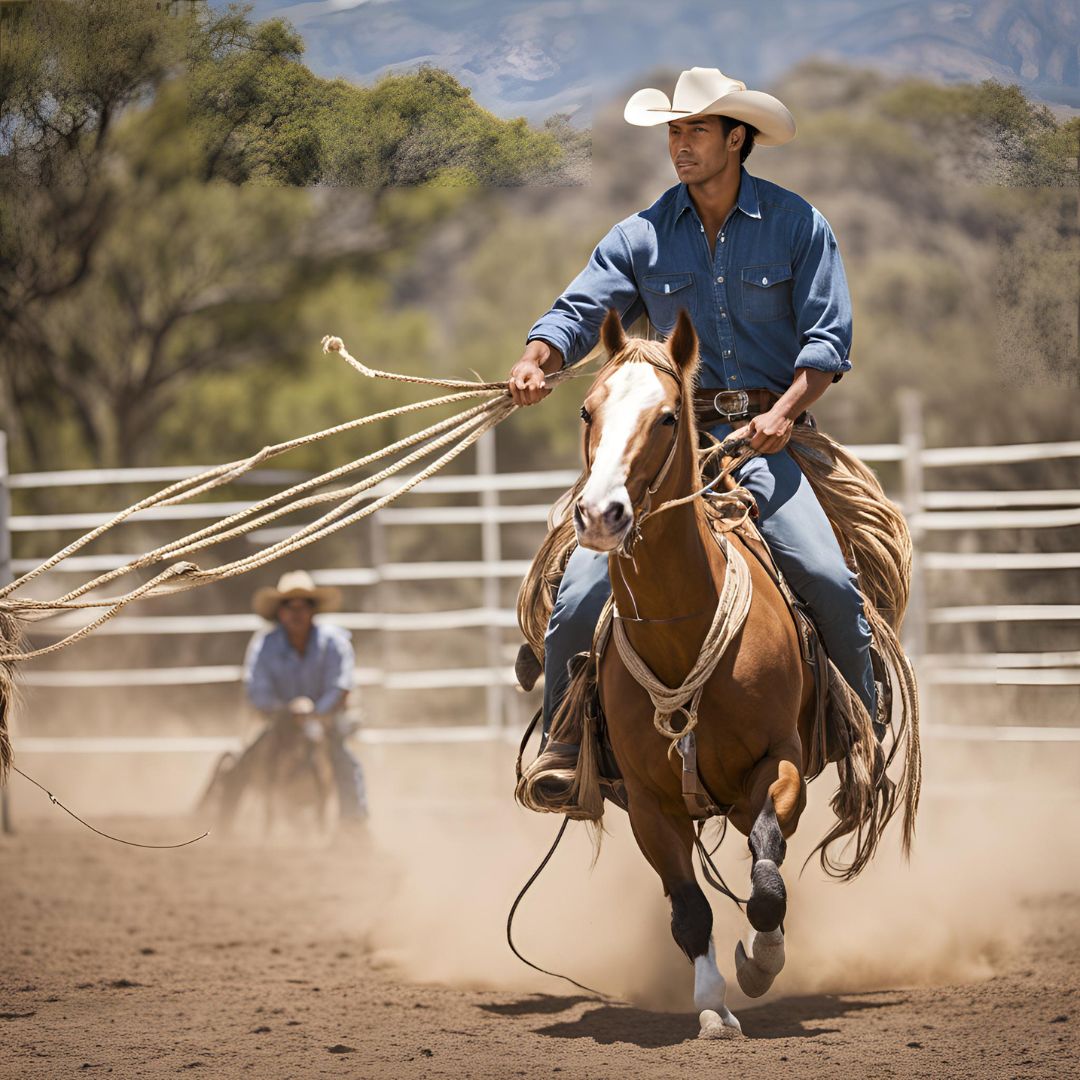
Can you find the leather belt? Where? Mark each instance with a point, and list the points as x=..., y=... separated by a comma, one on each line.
x=718, y=406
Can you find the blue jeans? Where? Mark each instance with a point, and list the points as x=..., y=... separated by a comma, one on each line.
x=805, y=548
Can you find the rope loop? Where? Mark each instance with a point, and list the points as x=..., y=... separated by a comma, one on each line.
x=732, y=607
x=352, y=503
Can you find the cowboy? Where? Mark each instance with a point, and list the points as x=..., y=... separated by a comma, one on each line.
x=305, y=669
x=758, y=270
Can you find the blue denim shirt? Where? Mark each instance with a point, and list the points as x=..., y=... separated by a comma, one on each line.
x=275, y=673
x=771, y=299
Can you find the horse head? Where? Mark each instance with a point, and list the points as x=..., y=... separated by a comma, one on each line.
x=636, y=412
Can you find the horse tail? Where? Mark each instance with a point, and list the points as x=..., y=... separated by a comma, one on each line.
x=905, y=734
x=876, y=541
x=10, y=638
x=870, y=527
x=867, y=798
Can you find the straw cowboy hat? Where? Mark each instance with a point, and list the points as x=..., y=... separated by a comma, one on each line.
x=296, y=584
x=709, y=92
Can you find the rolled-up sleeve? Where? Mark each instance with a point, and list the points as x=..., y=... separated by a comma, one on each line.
x=573, y=323
x=258, y=676
x=821, y=300
x=338, y=673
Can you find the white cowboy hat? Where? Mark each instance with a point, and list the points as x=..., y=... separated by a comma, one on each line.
x=709, y=92
x=296, y=584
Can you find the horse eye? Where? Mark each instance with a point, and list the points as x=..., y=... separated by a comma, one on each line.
x=670, y=419
x=585, y=415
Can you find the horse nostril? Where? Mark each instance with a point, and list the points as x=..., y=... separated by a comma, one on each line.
x=579, y=516
x=614, y=513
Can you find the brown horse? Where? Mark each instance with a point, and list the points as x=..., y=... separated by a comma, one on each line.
x=667, y=571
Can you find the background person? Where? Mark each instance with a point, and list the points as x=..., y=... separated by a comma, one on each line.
x=306, y=668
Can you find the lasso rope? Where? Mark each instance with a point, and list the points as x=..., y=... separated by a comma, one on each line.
x=732, y=607
x=452, y=435
x=447, y=438
x=108, y=836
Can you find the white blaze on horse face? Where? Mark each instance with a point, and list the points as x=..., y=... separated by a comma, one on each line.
x=633, y=390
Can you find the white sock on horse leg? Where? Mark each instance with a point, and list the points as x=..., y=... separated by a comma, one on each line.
x=716, y=1019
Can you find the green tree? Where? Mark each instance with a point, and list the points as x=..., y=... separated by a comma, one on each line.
x=252, y=104
x=67, y=73
x=132, y=261
x=410, y=129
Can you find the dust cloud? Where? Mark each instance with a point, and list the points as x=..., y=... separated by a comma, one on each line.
x=428, y=890
x=996, y=832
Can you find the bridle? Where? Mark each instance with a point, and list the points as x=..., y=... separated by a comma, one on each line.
x=739, y=450
x=644, y=508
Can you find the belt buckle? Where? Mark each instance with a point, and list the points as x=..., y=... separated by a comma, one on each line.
x=732, y=404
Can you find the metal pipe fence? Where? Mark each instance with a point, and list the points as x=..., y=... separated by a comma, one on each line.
x=934, y=512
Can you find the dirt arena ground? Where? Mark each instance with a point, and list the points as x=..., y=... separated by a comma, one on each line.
x=383, y=955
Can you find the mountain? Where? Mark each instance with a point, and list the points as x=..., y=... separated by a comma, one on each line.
x=535, y=57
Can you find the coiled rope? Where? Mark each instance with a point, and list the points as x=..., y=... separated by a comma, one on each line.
x=732, y=607
x=452, y=436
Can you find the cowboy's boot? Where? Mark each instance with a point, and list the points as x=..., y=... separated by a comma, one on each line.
x=553, y=771
x=547, y=783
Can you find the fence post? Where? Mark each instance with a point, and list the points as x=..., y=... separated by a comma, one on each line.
x=5, y=577
x=911, y=438
x=491, y=553
x=380, y=592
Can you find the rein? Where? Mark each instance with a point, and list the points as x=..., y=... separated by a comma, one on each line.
x=738, y=450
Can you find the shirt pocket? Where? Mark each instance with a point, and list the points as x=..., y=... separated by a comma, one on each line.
x=665, y=295
x=766, y=292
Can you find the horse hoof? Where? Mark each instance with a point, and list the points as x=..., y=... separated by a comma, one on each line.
x=757, y=970
x=752, y=980
x=767, y=905
x=715, y=1026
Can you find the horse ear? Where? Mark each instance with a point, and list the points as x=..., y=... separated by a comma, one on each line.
x=612, y=334
x=683, y=342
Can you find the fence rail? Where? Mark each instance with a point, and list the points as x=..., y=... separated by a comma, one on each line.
x=205, y=744
x=929, y=512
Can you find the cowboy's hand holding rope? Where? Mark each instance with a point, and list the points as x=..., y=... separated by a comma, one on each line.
x=527, y=382
x=768, y=432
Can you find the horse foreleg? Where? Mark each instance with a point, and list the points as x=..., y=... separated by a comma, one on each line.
x=780, y=794
x=667, y=842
